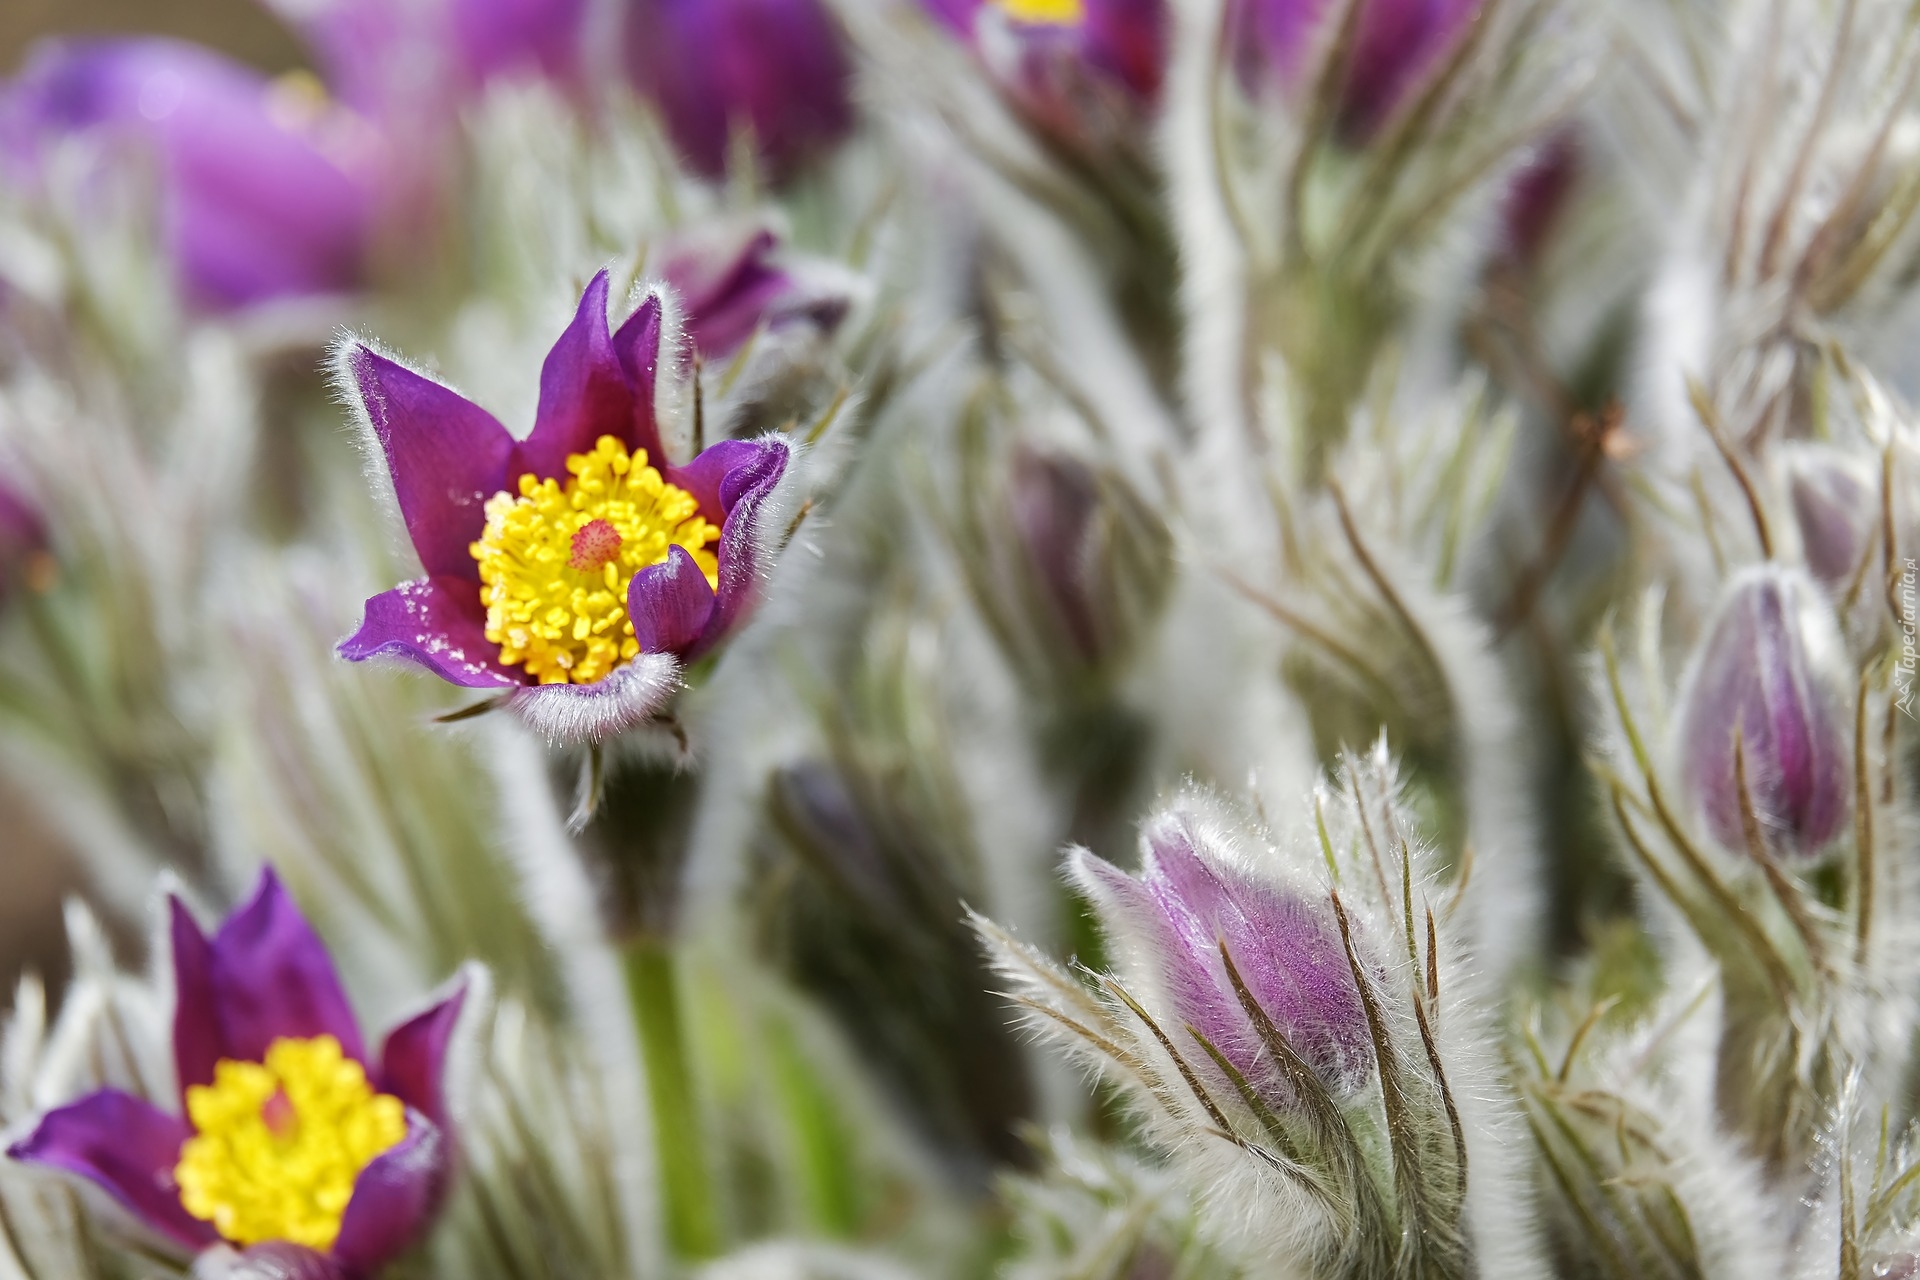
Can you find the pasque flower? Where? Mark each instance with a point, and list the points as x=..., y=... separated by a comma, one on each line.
x=1765, y=705
x=264, y=187
x=1394, y=43
x=578, y=569
x=774, y=70
x=291, y=1141
x=1082, y=70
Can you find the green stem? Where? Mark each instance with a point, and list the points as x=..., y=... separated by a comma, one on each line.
x=824, y=1161
x=686, y=1185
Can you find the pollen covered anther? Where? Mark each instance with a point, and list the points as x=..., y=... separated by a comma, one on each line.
x=556, y=561
x=279, y=1144
x=1051, y=13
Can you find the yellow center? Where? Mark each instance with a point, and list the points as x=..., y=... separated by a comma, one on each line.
x=1053, y=13
x=278, y=1144
x=555, y=562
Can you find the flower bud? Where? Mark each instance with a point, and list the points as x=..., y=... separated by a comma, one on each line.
x=1186, y=907
x=731, y=288
x=773, y=68
x=1766, y=703
x=1395, y=42
x=23, y=544
x=1835, y=505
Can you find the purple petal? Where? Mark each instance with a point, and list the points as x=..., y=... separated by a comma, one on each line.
x=271, y=977
x=669, y=603
x=774, y=68
x=638, y=344
x=253, y=205
x=497, y=37
x=127, y=1146
x=394, y=1198
x=446, y=455
x=740, y=477
x=584, y=393
x=626, y=699
x=414, y=1057
x=198, y=1042
x=437, y=623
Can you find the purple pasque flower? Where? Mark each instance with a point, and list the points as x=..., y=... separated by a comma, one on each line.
x=292, y=1142
x=1768, y=679
x=729, y=290
x=776, y=70
x=264, y=189
x=576, y=570
x=1190, y=900
x=1083, y=71
x=1395, y=43
x=1836, y=507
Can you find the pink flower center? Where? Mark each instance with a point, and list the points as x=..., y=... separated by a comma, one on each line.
x=597, y=543
x=277, y=1113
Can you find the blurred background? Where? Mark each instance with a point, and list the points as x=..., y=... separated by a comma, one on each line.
x=39, y=875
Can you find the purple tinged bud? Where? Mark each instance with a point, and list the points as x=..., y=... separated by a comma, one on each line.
x=23, y=544
x=1537, y=195
x=1187, y=903
x=1395, y=43
x=1836, y=508
x=263, y=184
x=775, y=69
x=1768, y=678
x=731, y=288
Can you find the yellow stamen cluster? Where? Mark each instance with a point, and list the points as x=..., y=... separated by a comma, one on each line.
x=1051, y=13
x=555, y=562
x=279, y=1143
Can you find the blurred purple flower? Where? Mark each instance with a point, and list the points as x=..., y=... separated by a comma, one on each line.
x=1537, y=195
x=1767, y=678
x=774, y=69
x=1054, y=499
x=572, y=569
x=1188, y=903
x=1836, y=509
x=1083, y=71
x=263, y=195
x=1395, y=43
x=729, y=293
x=261, y=1026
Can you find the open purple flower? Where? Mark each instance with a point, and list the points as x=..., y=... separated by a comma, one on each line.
x=1395, y=43
x=293, y=1143
x=1188, y=903
x=774, y=70
x=1766, y=679
x=728, y=293
x=1082, y=71
x=264, y=192
x=577, y=570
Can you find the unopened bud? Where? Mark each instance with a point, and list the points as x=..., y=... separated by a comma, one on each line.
x=1835, y=505
x=1765, y=707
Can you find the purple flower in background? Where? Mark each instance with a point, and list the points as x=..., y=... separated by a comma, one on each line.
x=264, y=192
x=1766, y=678
x=293, y=1143
x=1080, y=70
x=1395, y=43
x=728, y=294
x=576, y=570
x=1188, y=902
x=774, y=70
x=1836, y=508
x=1537, y=195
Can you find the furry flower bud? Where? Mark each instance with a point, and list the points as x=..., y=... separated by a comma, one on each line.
x=1764, y=707
x=774, y=69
